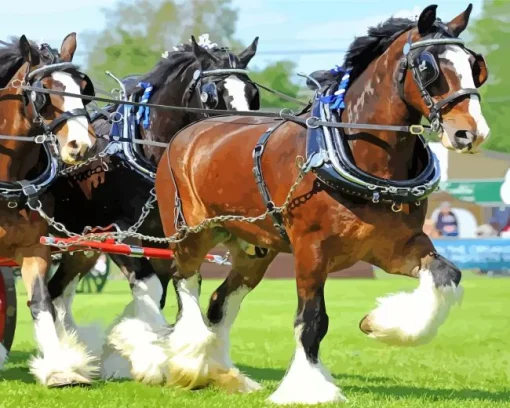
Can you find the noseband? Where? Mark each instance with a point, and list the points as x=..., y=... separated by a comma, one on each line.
x=426, y=71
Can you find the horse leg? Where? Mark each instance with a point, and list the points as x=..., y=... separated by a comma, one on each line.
x=189, y=342
x=63, y=359
x=224, y=305
x=134, y=335
x=62, y=288
x=307, y=381
x=414, y=318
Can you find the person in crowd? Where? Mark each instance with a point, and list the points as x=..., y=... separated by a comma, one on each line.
x=446, y=222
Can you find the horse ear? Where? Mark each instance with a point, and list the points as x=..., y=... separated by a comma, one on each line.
x=27, y=51
x=201, y=53
x=427, y=18
x=459, y=23
x=68, y=47
x=246, y=56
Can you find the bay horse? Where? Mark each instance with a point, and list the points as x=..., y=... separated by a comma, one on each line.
x=37, y=131
x=363, y=196
x=113, y=190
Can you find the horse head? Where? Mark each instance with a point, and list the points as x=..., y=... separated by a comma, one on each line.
x=224, y=81
x=440, y=78
x=64, y=116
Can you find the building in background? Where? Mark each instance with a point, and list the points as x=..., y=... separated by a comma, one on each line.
x=477, y=186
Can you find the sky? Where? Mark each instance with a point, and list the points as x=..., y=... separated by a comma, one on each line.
x=312, y=33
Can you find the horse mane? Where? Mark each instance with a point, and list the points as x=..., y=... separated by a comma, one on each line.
x=174, y=63
x=11, y=59
x=363, y=50
x=169, y=67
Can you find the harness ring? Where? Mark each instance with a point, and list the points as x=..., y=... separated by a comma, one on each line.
x=396, y=207
x=17, y=83
x=113, y=115
x=40, y=139
x=310, y=122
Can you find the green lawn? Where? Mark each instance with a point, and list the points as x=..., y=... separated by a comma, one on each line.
x=467, y=365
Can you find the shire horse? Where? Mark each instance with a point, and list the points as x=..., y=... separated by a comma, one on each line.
x=115, y=189
x=363, y=196
x=40, y=128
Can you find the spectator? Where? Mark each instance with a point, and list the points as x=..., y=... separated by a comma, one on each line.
x=446, y=222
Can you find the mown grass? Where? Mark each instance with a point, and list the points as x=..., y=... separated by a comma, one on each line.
x=467, y=365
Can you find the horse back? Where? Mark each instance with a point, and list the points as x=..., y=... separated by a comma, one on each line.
x=212, y=165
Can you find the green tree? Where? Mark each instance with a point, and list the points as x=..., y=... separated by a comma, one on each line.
x=490, y=36
x=138, y=32
x=277, y=76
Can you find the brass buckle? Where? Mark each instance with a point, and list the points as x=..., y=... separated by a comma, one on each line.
x=416, y=129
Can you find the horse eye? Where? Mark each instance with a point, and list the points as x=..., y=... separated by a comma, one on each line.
x=427, y=68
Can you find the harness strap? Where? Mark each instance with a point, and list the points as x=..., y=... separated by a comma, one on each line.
x=455, y=95
x=31, y=192
x=261, y=184
x=65, y=116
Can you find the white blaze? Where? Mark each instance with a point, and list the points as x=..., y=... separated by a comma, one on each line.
x=236, y=90
x=459, y=58
x=78, y=127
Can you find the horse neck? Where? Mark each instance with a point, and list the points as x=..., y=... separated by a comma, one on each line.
x=16, y=158
x=166, y=123
x=373, y=98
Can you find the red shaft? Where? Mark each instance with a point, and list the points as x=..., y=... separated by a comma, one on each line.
x=110, y=247
x=122, y=249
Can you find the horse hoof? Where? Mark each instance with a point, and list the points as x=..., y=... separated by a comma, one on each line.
x=233, y=381
x=364, y=325
x=60, y=380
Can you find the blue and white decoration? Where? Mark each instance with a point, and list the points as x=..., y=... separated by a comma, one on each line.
x=336, y=101
x=143, y=113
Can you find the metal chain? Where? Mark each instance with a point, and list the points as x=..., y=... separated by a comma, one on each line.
x=184, y=231
x=51, y=220
x=146, y=209
x=99, y=156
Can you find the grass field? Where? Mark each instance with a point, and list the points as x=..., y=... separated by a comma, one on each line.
x=467, y=365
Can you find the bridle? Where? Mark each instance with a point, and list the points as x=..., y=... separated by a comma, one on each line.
x=417, y=63
x=209, y=90
x=38, y=101
x=30, y=190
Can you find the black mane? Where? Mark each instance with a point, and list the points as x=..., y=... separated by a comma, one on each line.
x=11, y=59
x=174, y=63
x=364, y=50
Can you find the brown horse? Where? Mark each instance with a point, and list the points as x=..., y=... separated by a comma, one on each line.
x=62, y=127
x=362, y=197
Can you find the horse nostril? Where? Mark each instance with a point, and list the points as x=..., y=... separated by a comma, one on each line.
x=72, y=144
x=461, y=134
x=464, y=139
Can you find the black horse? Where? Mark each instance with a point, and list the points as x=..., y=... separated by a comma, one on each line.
x=114, y=189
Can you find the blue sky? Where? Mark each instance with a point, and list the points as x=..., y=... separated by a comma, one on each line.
x=322, y=28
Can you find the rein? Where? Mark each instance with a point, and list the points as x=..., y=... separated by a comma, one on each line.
x=284, y=114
